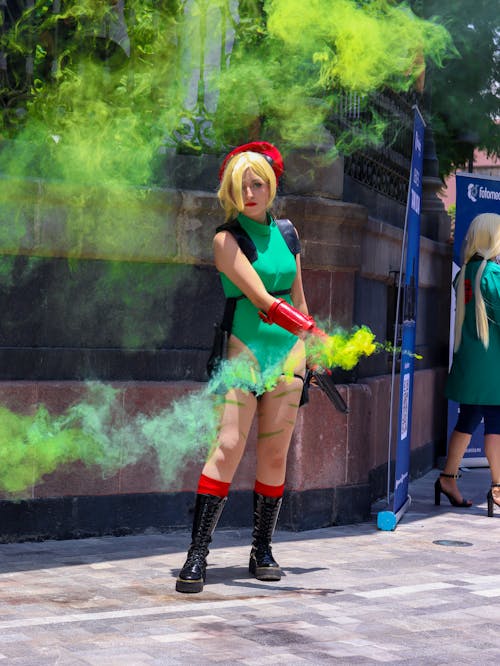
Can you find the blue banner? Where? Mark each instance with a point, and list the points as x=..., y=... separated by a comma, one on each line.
x=475, y=195
x=410, y=294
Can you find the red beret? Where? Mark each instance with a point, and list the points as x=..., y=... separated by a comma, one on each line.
x=270, y=152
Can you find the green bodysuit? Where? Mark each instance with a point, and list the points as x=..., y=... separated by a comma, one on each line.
x=276, y=267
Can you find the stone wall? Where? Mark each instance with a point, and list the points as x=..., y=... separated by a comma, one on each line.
x=338, y=463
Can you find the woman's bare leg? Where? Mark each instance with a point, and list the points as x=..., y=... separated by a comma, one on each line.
x=492, y=451
x=277, y=413
x=237, y=415
x=459, y=441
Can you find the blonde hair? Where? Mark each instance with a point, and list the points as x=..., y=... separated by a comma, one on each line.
x=483, y=238
x=230, y=192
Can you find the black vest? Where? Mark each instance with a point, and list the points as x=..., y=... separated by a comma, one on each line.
x=247, y=246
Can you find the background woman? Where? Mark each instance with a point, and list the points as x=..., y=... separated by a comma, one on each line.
x=474, y=379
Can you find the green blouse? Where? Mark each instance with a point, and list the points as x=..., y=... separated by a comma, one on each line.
x=474, y=377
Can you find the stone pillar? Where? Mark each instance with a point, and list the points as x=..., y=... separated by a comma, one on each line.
x=435, y=220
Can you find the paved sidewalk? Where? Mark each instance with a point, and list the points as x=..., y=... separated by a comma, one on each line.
x=350, y=595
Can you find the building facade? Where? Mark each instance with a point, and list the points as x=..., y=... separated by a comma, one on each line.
x=109, y=296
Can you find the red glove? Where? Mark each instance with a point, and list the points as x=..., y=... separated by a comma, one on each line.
x=289, y=318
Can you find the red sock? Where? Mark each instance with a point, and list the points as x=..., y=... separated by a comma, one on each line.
x=269, y=491
x=208, y=486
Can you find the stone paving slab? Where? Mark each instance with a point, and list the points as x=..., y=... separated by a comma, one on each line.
x=349, y=595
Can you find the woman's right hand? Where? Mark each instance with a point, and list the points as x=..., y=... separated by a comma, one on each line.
x=285, y=315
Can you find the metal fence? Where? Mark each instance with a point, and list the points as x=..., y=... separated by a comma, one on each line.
x=385, y=167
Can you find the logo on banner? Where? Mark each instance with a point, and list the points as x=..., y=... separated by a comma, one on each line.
x=401, y=480
x=405, y=406
x=472, y=190
x=418, y=143
x=485, y=193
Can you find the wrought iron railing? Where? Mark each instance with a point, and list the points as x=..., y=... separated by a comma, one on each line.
x=16, y=71
x=383, y=167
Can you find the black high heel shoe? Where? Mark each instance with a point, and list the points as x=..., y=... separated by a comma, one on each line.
x=453, y=501
x=491, y=500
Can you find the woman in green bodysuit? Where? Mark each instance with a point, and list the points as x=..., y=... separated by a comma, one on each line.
x=270, y=332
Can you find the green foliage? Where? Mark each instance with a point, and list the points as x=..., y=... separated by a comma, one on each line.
x=100, y=92
x=464, y=95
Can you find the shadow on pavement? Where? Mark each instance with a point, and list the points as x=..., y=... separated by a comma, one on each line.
x=28, y=556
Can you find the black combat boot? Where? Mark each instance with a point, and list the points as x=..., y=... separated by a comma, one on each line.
x=262, y=564
x=207, y=512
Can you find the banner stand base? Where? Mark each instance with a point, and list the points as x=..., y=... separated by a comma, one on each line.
x=387, y=520
x=474, y=462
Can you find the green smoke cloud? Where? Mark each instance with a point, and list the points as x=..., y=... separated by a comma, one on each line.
x=98, y=431
x=109, y=90
x=358, y=46
x=288, y=74
x=81, y=150
x=79, y=159
x=91, y=128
